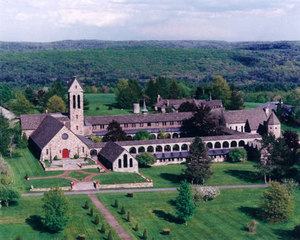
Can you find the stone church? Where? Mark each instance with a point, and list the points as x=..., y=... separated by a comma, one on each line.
x=65, y=136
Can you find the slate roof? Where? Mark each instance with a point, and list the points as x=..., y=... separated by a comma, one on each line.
x=48, y=128
x=139, y=118
x=273, y=120
x=286, y=109
x=111, y=151
x=32, y=121
x=164, y=103
x=255, y=117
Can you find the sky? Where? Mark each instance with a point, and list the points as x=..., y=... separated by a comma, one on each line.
x=228, y=20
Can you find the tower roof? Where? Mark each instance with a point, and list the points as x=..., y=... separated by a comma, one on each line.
x=273, y=120
x=72, y=82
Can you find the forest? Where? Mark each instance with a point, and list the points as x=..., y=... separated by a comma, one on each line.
x=105, y=63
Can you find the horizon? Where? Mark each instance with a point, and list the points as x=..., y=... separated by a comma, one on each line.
x=124, y=20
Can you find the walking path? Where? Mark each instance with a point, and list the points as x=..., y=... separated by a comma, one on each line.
x=111, y=220
x=144, y=190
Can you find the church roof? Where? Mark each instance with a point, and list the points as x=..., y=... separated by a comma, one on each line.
x=111, y=151
x=48, y=128
x=74, y=79
x=33, y=121
x=273, y=120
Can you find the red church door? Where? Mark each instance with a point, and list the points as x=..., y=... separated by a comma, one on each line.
x=65, y=153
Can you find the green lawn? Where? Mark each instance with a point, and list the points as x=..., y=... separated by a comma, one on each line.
x=103, y=101
x=24, y=162
x=286, y=127
x=251, y=105
x=224, y=174
x=24, y=216
x=77, y=175
x=226, y=217
x=118, y=178
x=46, y=183
x=92, y=170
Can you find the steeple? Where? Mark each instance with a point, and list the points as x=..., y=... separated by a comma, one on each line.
x=75, y=92
x=144, y=110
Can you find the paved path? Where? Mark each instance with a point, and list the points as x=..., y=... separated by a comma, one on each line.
x=143, y=190
x=111, y=220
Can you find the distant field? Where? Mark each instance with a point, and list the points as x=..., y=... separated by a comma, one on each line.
x=226, y=217
x=251, y=105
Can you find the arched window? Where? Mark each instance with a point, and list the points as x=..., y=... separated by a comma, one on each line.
x=141, y=149
x=150, y=149
x=233, y=144
x=175, y=135
x=209, y=145
x=217, y=145
x=74, y=101
x=225, y=144
x=78, y=101
x=120, y=163
x=167, y=148
x=93, y=152
x=184, y=147
x=158, y=148
x=132, y=150
x=130, y=162
x=153, y=136
x=125, y=163
x=241, y=143
x=176, y=147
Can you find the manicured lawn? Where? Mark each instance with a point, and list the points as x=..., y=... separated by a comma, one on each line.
x=78, y=175
x=103, y=101
x=286, y=127
x=118, y=178
x=24, y=216
x=24, y=162
x=251, y=105
x=92, y=170
x=224, y=174
x=46, y=183
x=226, y=217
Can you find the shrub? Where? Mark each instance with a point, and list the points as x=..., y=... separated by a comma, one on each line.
x=296, y=232
x=128, y=216
x=252, y=226
x=116, y=203
x=130, y=194
x=123, y=210
x=166, y=231
x=55, y=157
x=109, y=237
x=137, y=227
x=237, y=155
x=92, y=212
x=290, y=185
x=145, y=234
x=277, y=205
x=97, y=219
x=19, y=236
x=110, y=108
x=86, y=205
x=103, y=228
x=26, y=176
x=97, y=108
x=81, y=237
x=76, y=156
x=204, y=193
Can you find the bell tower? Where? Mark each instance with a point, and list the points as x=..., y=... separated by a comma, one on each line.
x=75, y=94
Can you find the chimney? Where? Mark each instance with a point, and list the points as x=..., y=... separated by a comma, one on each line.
x=168, y=103
x=267, y=111
x=158, y=98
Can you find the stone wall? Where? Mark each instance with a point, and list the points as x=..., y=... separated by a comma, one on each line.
x=32, y=189
x=125, y=185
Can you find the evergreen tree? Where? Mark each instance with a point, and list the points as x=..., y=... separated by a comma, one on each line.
x=28, y=93
x=97, y=219
x=109, y=237
x=151, y=92
x=116, y=203
x=162, y=87
x=127, y=93
x=103, y=229
x=114, y=133
x=128, y=217
x=56, y=89
x=145, y=234
x=236, y=101
x=123, y=211
x=174, y=90
x=56, y=210
x=277, y=205
x=91, y=212
x=86, y=205
x=198, y=162
x=137, y=227
x=4, y=135
x=184, y=202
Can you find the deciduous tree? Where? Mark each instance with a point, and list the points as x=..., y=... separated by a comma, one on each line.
x=21, y=105
x=56, y=104
x=8, y=194
x=114, y=133
x=145, y=158
x=220, y=90
x=187, y=107
x=142, y=135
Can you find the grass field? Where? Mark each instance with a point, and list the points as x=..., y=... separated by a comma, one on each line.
x=24, y=218
x=24, y=162
x=286, y=127
x=226, y=217
x=78, y=175
x=251, y=105
x=224, y=174
x=118, y=178
x=46, y=183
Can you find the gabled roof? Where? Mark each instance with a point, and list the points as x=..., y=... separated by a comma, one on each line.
x=111, y=151
x=74, y=79
x=48, y=128
x=164, y=103
x=273, y=120
x=33, y=121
